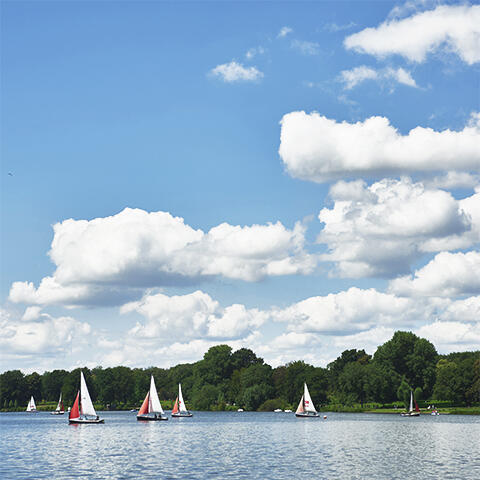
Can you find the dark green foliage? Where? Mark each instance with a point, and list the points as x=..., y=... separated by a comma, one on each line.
x=227, y=380
x=403, y=393
x=409, y=356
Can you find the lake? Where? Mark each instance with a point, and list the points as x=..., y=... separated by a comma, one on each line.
x=248, y=445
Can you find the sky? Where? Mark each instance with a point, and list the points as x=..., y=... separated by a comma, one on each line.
x=298, y=178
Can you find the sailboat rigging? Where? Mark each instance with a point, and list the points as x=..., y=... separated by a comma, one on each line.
x=151, y=408
x=83, y=410
x=60, y=410
x=411, y=411
x=179, y=409
x=31, y=407
x=306, y=408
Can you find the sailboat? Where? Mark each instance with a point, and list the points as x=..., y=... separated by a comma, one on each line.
x=411, y=411
x=151, y=408
x=179, y=409
x=31, y=407
x=60, y=410
x=83, y=410
x=306, y=408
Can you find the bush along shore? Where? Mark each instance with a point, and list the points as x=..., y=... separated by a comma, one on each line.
x=227, y=380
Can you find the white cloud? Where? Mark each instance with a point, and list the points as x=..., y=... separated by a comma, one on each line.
x=284, y=31
x=253, y=52
x=355, y=76
x=447, y=274
x=454, y=179
x=44, y=337
x=31, y=313
x=235, y=72
x=106, y=258
x=351, y=78
x=305, y=47
x=453, y=29
x=451, y=336
x=346, y=312
x=402, y=220
x=192, y=316
x=316, y=148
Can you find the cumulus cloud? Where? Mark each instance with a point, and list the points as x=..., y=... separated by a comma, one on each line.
x=446, y=274
x=284, y=31
x=106, y=258
x=305, y=47
x=314, y=147
x=381, y=229
x=191, y=316
x=235, y=72
x=454, y=29
x=44, y=337
x=451, y=336
x=345, y=313
x=451, y=180
x=355, y=76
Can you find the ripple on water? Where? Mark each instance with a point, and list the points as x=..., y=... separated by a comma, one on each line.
x=221, y=445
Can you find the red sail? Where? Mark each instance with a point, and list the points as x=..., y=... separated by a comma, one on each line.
x=175, y=407
x=416, y=407
x=144, y=407
x=62, y=408
x=74, y=412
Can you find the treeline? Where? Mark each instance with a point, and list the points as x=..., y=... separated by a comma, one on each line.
x=224, y=379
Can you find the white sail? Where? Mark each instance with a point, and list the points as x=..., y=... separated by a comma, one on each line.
x=59, y=405
x=154, y=402
x=300, y=408
x=309, y=406
x=85, y=400
x=31, y=405
x=411, y=401
x=181, y=404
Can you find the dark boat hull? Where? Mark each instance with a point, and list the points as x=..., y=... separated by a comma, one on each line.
x=57, y=413
x=307, y=415
x=80, y=421
x=413, y=414
x=146, y=418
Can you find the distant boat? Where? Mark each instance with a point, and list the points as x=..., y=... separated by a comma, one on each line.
x=83, y=410
x=411, y=411
x=151, y=408
x=240, y=410
x=31, y=407
x=179, y=409
x=287, y=410
x=306, y=408
x=278, y=410
x=60, y=410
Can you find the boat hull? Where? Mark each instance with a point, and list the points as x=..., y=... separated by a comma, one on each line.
x=57, y=413
x=146, y=418
x=180, y=415
x=413, y=414
x=81, y=421
x=307, y=415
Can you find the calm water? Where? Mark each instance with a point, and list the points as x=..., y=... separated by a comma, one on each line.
x=220, y=445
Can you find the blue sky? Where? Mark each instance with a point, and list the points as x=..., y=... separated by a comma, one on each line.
x=192, y=109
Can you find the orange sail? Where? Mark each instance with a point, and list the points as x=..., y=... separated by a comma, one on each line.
x=144, y=407
x=175, y=407
x=74, y=412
